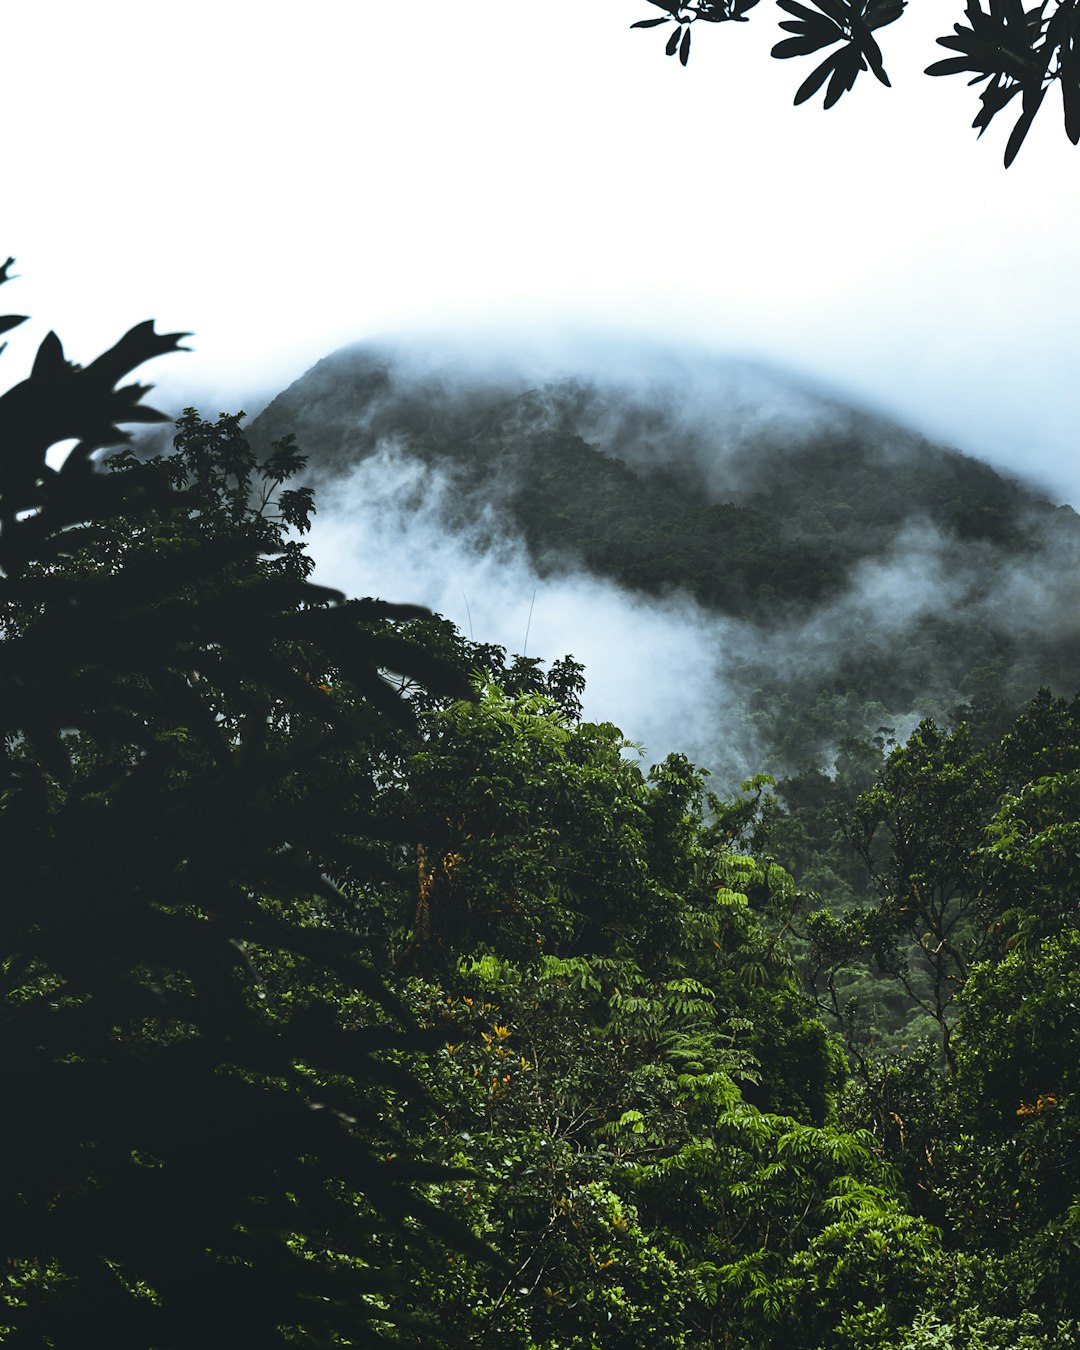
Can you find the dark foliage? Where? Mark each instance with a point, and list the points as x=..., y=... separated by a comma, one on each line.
x=197, y=1148
x=1018, y=51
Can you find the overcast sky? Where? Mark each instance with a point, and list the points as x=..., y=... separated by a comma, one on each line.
x=284, y=178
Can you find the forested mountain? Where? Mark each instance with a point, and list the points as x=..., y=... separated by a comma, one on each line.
x=349, y=999
x=648, y=481
x=857, y=575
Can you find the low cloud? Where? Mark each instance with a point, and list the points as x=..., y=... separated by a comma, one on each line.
x=671, y=674
x=654, y=667
x=418, y=445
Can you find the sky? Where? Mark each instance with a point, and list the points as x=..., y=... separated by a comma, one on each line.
x=283, y=179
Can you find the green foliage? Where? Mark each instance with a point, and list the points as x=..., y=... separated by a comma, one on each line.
x=641, y=1096
x=964, y=867
x=966, y=1330
x=989, y=1155
x=1033, y=858
x=508, y=789
x=1020, y=1026
x=1009, y=1172
x=637, y=1196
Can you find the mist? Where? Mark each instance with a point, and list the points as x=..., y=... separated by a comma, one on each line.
x=654, y=668
x=426, y=456
x=671, y=674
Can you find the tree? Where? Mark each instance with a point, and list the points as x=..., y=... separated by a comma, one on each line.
x=1001, y=1156
x=917, y=831
x=970, y=850
x=975, y=855
x=1011, y=1181
x=205, y=1135
x=1016, y=51
x=630, y=1069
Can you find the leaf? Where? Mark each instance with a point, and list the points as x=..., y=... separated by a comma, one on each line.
x=799, y=46
x=872, y=52
x=849, y=61
x=1032, y=103
x=952, y=65
x=138, y=344
x=673, y=41
x=959, y=43
x=649, y=23
x=1070, y=90
x=50, y=361
x=815, y=79
x=684, y=50
x=994, y=98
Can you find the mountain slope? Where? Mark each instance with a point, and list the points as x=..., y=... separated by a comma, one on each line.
x=870, y=573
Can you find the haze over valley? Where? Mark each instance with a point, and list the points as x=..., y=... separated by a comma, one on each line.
x=750, y=567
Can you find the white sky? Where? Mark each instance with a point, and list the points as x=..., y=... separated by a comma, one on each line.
x=283, y=178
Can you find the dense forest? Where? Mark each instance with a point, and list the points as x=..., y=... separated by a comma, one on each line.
x=357, y=991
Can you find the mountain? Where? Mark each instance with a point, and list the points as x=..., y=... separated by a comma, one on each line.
x=854, y=574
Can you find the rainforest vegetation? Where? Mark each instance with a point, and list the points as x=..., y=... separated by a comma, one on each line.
x=356, y=991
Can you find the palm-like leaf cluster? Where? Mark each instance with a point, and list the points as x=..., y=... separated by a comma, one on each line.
x=1018, y=51
x=833, y=22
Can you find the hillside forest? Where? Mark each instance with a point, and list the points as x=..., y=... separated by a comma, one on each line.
x=358, y=991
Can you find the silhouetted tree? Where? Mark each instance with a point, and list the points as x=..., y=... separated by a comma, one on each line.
x=205, y=1136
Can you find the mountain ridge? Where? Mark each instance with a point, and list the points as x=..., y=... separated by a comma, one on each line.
x=905, y=575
